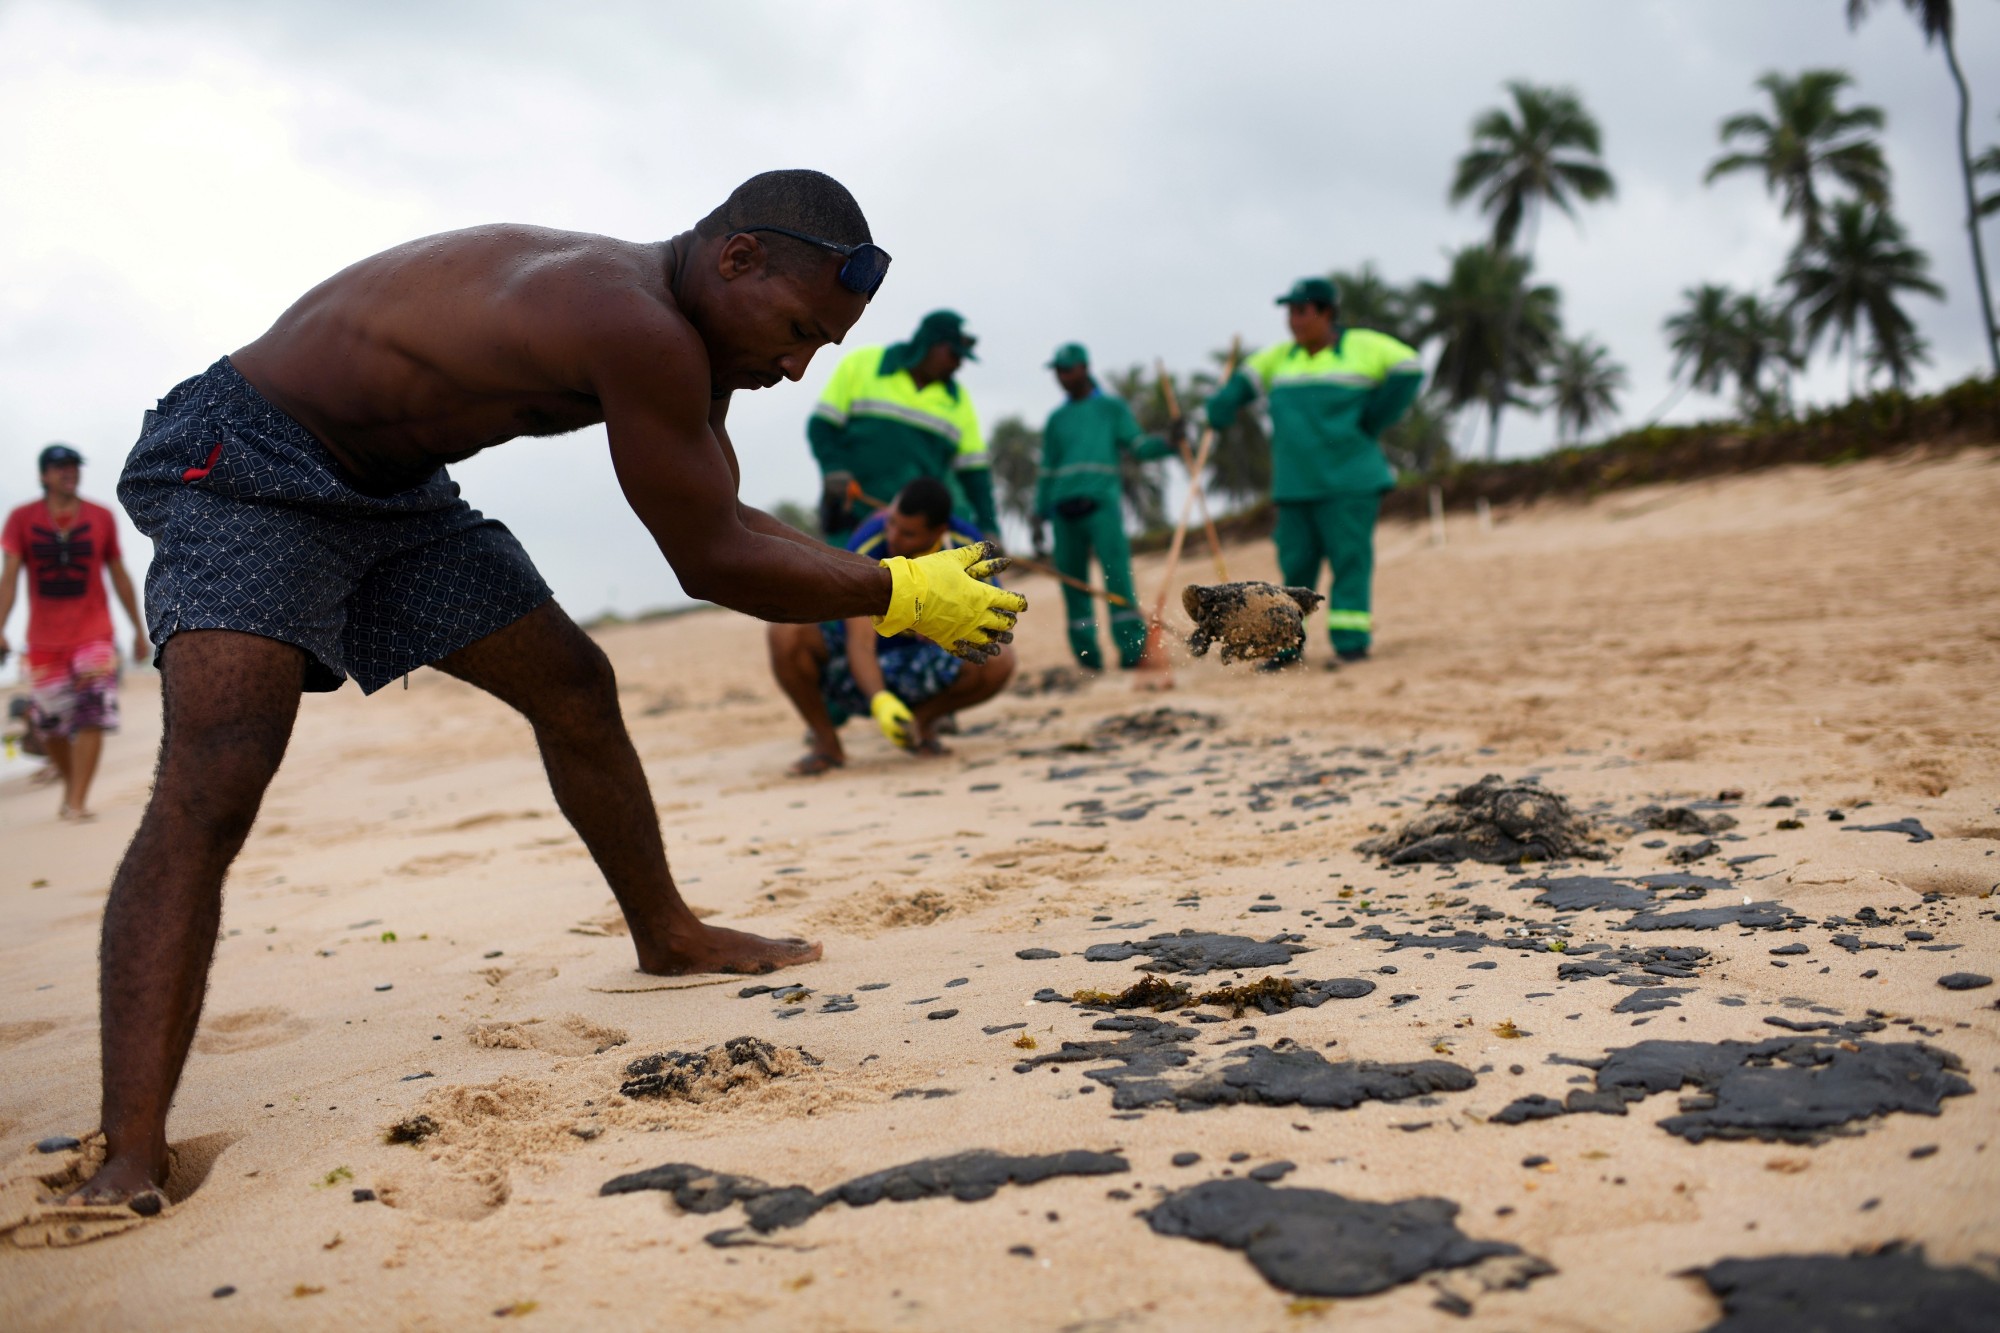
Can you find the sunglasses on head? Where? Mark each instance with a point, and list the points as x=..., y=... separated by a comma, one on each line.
x=865, y=267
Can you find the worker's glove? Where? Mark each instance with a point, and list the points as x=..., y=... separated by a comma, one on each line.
x=1177, y=432
x=836, y=508
x=940, y=597
x=892, y=715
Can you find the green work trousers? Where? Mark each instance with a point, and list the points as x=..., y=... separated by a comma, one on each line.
x=1339, y=531
x=1104, y=533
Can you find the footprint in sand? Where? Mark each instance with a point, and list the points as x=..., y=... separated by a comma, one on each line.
x=13, y=1034
x=248, y=1030
x=32, y=1215
x=443, y=863
x=515, y=978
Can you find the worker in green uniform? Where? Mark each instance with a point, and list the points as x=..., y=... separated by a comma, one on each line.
x=1079, y=492
x=1331, y=392
x=892, y=414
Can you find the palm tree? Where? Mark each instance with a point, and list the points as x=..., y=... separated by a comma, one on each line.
x=1988, y=164
x=1239, y=464
x=1421, y=441
x=1015, y=448
x=1495, y=331
x=1584, y=384
x=1721, y=335
x=1370, y=301
x=1548, y=151
x=1851, y=276
x=1145, y=492
x=1702, y=337
x=1763, y=339
x=1808, y=135
x=1935, y=18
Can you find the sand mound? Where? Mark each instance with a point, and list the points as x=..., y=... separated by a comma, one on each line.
x=571, y=1034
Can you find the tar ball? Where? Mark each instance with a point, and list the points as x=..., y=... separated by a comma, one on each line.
x=1252, y=621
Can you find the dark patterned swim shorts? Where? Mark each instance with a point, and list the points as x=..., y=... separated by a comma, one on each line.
x=256, y=528
x=913, y=669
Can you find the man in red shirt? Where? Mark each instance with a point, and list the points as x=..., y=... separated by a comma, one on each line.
x=68, y=545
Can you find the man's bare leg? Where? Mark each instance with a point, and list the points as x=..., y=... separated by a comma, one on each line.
x=229, y=701
x=798, y=652
x=59, y=758
x=977, y=682
x=551, y=672
x=84, y=749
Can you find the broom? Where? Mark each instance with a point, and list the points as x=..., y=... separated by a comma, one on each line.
x=1155, y=670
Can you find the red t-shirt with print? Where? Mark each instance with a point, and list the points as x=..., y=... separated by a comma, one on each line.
x=67, y=606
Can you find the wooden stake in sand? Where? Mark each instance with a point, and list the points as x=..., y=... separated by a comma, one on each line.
x=1155, y=671
x=1437, y=516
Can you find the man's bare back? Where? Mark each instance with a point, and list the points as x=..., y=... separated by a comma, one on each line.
x=427, y=353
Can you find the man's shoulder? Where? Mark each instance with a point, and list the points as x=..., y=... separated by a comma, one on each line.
x=25, y=513
x=1378, y=345
x=96, y=512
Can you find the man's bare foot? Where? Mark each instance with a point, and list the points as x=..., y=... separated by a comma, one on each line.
x=930, y=747
x=76, y=814
x=717, y=949
x=815, y=762
x=127, y=1178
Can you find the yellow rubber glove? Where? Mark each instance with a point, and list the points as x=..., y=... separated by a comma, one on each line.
x=893, y=716
x=941, y=597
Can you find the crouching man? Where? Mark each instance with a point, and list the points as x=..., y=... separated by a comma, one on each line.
x=838, y=669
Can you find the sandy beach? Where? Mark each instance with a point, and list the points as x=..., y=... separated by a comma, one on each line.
x=413, y=931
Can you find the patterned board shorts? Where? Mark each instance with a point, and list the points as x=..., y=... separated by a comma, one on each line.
x=255, y=528
x=913, y=669
x=73, y=689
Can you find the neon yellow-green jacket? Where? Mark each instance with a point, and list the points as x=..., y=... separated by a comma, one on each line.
x=1328, y=410
x=888, y=432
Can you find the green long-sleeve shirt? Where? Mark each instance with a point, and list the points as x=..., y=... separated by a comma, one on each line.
x=1328, y=411
x=1080, y=448
x=887, y=432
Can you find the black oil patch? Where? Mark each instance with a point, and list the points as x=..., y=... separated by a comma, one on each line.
x=1590, y=893
x=1750, y=916
x=967, y=1177
x=1282, y=1074
x=1914, y=829
x=1196, y=952
x=1317, y=1243
x=1267, y=995
x=1891, y=1290
x=1494, y=821
x=1462, y=941
x=1785, y=1090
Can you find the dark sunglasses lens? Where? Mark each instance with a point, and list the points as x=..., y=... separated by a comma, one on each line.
x=865, y=269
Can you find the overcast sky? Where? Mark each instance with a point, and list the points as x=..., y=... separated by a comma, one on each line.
x=1144, y=177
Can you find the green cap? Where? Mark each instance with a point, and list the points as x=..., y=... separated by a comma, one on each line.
x=1318, y=291
x=1069, y=354
x=943, y=326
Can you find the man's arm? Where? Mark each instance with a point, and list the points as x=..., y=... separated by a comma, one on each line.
x=1402, y=375
x=1143, y=447
x=680, y=479
x=754, y=519
x=862, y=662
x=10, y=575
x=121, y=583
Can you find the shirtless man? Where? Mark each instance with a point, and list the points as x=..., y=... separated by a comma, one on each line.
x=305, y=529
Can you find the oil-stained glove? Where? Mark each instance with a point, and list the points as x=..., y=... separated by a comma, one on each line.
x=892, y=715
x=941, y=597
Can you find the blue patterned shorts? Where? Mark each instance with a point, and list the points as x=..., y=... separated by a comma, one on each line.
x=913, y=669
x=256, y=528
